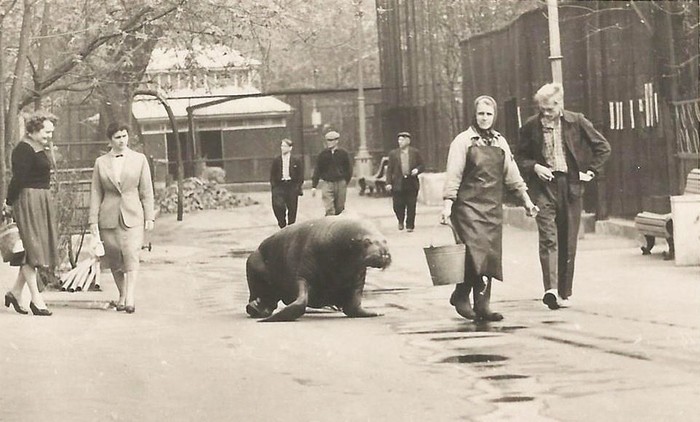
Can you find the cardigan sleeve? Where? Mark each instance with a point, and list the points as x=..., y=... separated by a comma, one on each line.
x=22, y=158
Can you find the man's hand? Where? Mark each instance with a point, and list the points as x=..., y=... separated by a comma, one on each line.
x=388, y=187
x=544, y=173
x=414, y=172
x=587, y=176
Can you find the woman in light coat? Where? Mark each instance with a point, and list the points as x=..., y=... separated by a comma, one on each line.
x=121, y=208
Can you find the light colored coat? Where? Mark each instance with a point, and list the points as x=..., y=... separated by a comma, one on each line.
x=132, y=199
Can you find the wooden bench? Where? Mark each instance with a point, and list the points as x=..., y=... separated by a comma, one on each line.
x=375, y=184
x=652, y=225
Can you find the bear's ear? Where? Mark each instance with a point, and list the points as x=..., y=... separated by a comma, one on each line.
x=367, y=241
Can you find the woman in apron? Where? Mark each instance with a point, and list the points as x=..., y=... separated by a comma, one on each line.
x=479, y=167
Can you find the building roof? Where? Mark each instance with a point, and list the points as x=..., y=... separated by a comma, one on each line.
x=211, y=57
x=148, y=109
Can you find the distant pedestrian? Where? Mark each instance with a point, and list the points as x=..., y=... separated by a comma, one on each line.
x=30, y=202
x=121, y=208
x=558, y=151
x=334, y=168
x=479, y=167
x=405, y=164
x=286, y=180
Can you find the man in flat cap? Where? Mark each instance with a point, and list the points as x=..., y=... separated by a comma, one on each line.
x=334, y=167
x=286, y=180
x=405, y=164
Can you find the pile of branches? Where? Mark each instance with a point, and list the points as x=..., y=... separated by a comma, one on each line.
x=201, y=195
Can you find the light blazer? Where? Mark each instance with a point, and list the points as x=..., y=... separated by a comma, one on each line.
x=132, y=200
x=395, y=177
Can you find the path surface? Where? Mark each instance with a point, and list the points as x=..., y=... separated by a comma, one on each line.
x=628, y=350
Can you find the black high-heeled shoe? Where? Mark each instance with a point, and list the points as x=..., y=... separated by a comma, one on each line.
x=39, y=312
x=11, y=299
x=129, y=309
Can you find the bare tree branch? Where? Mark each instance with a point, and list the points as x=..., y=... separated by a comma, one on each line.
x=136, y=22
x=642, y=18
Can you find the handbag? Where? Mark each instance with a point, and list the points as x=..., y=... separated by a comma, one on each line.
x=11, y=246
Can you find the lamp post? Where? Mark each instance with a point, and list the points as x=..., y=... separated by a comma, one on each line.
x=555, y=56
x=362, y=159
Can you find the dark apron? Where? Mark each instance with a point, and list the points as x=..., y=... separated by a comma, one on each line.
x=477, y=213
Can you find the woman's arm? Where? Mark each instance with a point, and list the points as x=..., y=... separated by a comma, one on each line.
x=96, y=196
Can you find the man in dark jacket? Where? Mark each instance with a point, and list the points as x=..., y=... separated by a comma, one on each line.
x=286, y=180
x=558, y=152
x=405, y=164
x=334, y=167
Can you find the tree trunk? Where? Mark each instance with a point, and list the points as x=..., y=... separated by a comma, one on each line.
x=11, y=118
x=3, y=151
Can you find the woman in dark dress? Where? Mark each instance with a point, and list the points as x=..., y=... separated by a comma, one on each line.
x=479, y=167
x=29, y=199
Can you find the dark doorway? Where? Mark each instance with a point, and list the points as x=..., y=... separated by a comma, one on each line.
x=512, y=121
x=186, y=155
x=211, y=148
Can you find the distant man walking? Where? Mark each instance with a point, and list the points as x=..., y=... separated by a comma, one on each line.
x=405, y=164
x=286, y=180
x=334, y=167
x=553, y=155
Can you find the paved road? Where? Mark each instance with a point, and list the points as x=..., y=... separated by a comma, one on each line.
x=628, y=350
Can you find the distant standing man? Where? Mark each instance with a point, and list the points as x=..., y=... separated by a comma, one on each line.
x=558, y=152
x=286, y=180
x=333, y=166
x=405, y=164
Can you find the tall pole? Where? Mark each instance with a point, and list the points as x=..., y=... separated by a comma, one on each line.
x=362, y=160
x=555, y=56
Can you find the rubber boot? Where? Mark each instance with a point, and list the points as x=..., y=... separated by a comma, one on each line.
x=460, y=300
x=482, y=300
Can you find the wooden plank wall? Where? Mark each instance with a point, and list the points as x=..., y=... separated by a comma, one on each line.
x=612, y=74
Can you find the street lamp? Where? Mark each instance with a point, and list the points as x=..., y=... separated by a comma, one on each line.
x=363, y=159
x=315, y=114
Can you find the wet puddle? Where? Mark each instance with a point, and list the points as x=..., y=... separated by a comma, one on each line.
x=504, y=377
x=459, y=338
x=513, y=399
x=474, y=358
x=479, y=327
x=240, y=253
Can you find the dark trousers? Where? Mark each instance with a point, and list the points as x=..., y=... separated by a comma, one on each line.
x=558, y=225
x=285, y=198
x=404, y=203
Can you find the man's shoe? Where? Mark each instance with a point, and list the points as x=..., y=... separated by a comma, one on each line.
x=400, y=226
x=550, y=299
x=564, y=302
x=410, y=229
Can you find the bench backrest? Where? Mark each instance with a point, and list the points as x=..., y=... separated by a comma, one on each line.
x=692, y=184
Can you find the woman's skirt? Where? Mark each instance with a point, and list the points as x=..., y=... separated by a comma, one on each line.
x=122, y=247
x=35, y=216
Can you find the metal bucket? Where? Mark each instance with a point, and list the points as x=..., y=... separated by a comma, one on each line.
x=10, y=242
x=446, y=263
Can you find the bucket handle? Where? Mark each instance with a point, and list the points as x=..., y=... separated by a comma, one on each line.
x=449, y=224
